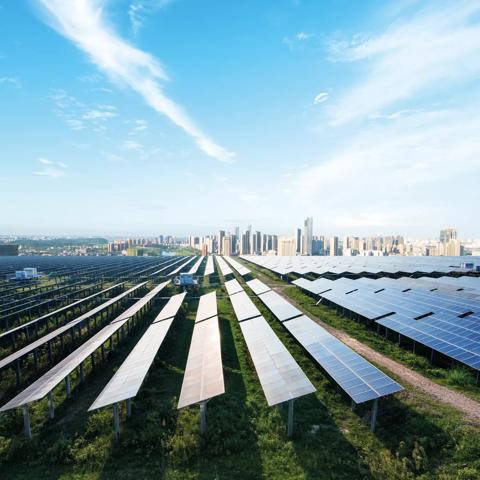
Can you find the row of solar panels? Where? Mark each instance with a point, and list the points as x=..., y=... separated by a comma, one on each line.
x=44, y=319
x=35, y=304
x=321, y=265
x=442, y=314
x=355, y=375
x=203, y=377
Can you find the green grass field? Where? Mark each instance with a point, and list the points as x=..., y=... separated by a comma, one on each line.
x=245, y=439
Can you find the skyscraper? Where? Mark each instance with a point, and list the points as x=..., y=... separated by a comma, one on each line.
x=221, y=235
x=448, y=234
x=286, y=246
x=298, y=240
x=307, y=236
x=333, y=246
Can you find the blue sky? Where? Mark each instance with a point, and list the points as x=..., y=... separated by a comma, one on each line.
x=126, y=117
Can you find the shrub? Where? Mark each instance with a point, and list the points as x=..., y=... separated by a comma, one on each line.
x=459, y=376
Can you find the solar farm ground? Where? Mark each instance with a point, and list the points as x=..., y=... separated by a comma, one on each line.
x=416, y=436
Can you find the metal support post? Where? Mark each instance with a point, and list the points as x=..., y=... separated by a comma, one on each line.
x=129, y=407
x=373, y=419
x=116, y=421
x=51, y=407
x=290, y=418
x=82, y=373
x=68, y=386
x=26, y=422
x=203, y=417
x=17, y=372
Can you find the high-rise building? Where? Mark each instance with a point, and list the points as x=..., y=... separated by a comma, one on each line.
x=221, y=235
x=298, y=241
x=227, y=245
x=286, y=246
x=448, y=234
x=334, y=246
x=307, y=236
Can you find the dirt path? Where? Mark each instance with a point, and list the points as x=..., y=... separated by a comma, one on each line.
x=470, y=407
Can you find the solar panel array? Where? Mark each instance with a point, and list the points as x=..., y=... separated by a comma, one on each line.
x=281, y=377
x=241, y=269
x=55, y=375
x=356, y=376
x=129, y=377
x=65, y=328
x=440, y=313
x=203, y=378
x=322, y=265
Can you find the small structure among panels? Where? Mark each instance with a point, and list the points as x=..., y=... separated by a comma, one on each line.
x=281, y=377
x=128, y=379
x=203, y=377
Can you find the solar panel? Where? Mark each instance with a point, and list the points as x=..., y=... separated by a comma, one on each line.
x=233, y=287
x=356, y=376
x=207, y=307
x=129, y=377
x=55, y=375
x=243, y=306
x=282, y=309
x=196, y=265
x=210, y=267
x=203, y=377
x=224, y=267
x=258, y=287
x=183, y=265
x=241, y=269
x=280, y=376
x=462, y=350
x=65, y=328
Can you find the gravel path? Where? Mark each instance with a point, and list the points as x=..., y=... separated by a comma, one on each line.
x=470, y=407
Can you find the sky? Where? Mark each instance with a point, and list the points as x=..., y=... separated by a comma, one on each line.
x=141, y=117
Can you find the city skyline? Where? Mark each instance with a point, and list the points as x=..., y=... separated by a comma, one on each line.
x=178, y=123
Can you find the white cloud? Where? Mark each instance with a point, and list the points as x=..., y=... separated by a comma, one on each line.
x=51, y=169
x=138, y=9
x=131, y=145
x=418, y=166
x=10, y=82
x=320, y=98
x=298, y=40
x=113, y=157
x=82, y=22
x=139, y=126
x=429, y=53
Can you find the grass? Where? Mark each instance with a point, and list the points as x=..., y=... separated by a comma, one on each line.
x=459, y=378
x=245, y=439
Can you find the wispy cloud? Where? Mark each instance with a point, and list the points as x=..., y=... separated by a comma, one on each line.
x=51, y=169
x=82, y=22
x=10, y=82
x=298, y=40
x=139, y=9
x=431, y=52
x=320, y=98
x=78, y=115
